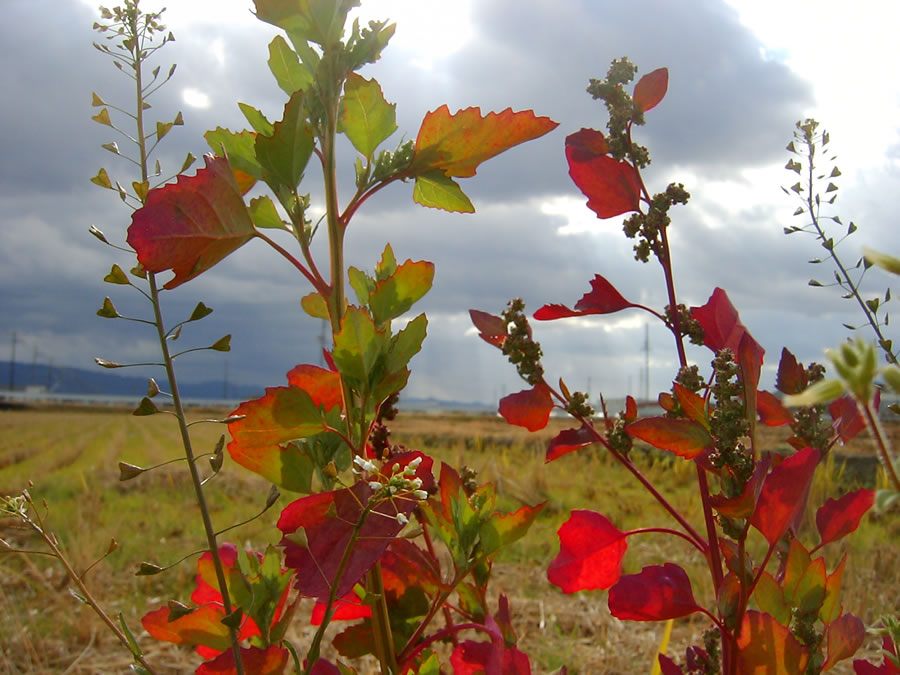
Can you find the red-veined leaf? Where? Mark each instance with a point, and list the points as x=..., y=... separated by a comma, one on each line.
x=839, y=517
x=568, y=441
x=207, y=584
x=203, y=627
x=256, y=661
x=783, y=494
x=683, y=437
x=603, y=298
x=656, y=593
x=404, y=565
x=792, y=377
x=651, y=89
x=590, y=555
x=771, y=410
x=529, y=408
x=843, y=636
x=456, y=144
x=765, y=647
x=502, y=529
x=190, y=225
x=612, y=187
x=329, y=519
x=491, y=328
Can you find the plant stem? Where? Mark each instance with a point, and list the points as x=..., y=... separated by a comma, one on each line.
x=86, y=594
x=880, y=442
x=138, y=54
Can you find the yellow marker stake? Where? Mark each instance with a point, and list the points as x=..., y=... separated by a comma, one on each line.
x=663, y=645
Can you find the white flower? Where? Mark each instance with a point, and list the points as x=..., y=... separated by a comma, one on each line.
x=421, y=495
x=375, y=485
x=403, y=520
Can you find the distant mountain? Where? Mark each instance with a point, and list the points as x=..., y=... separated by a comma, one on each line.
x=64, y=380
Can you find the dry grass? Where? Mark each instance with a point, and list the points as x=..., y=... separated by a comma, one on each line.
x=71, y=456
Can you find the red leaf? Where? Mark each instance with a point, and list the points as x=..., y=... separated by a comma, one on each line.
x=203, y=627
x=456, y=144
x=844, y=636
x=771, y=410
x=404, y=565
x=683, y=437
x=256, y=660
x=848, y=421
x=861, y=667
x=190, y=225
x=783, y=494
x=568, y=441
x=750, y=359
x=347, y=608
x=474, y=658
x=329, y=518
x=603, y=298
x=322, y=385
x=744, y=504
x=491, y=329
x=207, y=585
x=656, y=593
x=722, y=328
x=768, y=648
x=651, y=89
x=839, y=517
x=668, y=667
x=529, y=408
x=792, y=378
x=590, y=555
x=612, y=187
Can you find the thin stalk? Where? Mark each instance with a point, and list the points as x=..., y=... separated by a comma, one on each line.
x=86, y=593
x=880, y=442
x=170, y=371
x=814, y=219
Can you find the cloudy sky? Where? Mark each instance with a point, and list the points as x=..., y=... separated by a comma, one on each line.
x=741, y=74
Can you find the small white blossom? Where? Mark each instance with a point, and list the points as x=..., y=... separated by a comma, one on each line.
x=365, y=464
x=421, y=495
x=402, y=519
x=414, y=464
x=375, y=485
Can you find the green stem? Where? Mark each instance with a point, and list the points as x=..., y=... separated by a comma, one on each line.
x=138, y=53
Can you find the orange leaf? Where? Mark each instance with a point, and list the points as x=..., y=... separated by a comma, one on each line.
x=456, y=144
x=768, y=648
x=651, y=89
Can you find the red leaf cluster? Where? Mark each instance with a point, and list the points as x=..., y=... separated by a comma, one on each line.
x=612, y=187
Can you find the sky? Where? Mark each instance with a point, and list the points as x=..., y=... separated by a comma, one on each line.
x=740, y=75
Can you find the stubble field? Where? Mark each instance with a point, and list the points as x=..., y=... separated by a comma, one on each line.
x=71, y=455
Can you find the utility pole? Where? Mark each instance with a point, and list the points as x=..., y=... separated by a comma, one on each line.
x=12, y=361
x=646, y=361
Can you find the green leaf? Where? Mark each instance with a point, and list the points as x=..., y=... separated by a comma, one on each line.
x=314, y=305
x=361, y=283
x=116, y=276
x=108, y=311
x=199, y=312
x=884, y=499
x=436, y=190
x=503, y=529
x=264, y=215
x=257, y=120
x=359, y=345
x=366, y=117
x=770, y=598
x=285, y=154
x=396, y=294
x=406, y=344
x=285, y=65
x=163, y=128
x=240, y=149
x=319, y=21
x=132, y=643
x=189, y=159
x=223, y=344
x=385, y=267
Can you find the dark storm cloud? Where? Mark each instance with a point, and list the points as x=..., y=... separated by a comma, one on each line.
x=728, y=108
